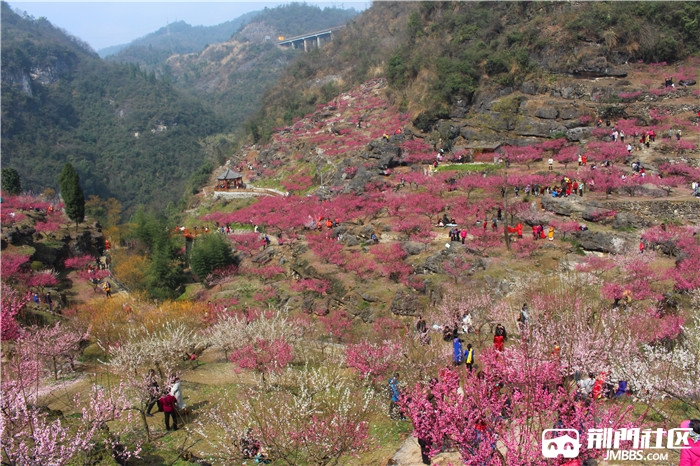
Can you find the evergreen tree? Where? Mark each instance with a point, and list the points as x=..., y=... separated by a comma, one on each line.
x=72, y=194
x=10, y=181
x=210, y=252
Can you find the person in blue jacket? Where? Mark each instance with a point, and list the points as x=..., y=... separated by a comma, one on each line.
x=458, y=354
x=395, y=413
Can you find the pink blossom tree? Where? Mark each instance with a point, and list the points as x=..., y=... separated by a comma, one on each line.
x=12, y=304
x=509, y=404
x=324, y=418
x=54, y=345
x=12, y=265
x=263, y=356
x=373, y=362
x=337, y=324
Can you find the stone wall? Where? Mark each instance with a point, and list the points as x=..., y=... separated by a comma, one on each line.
x=658, y=211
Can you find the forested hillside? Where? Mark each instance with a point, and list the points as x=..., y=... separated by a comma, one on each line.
x=129, y=135
x=135, y=131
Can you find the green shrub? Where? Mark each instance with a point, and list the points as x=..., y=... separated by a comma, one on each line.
x=210, y=252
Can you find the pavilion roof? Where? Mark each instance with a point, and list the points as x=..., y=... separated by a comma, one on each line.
x=229, y=175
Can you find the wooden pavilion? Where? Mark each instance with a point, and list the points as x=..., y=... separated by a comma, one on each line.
x=229, y=180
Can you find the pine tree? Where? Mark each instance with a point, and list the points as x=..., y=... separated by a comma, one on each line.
x=11, y=183
x=72, y=194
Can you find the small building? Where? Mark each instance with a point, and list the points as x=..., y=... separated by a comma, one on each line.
x=229, y=180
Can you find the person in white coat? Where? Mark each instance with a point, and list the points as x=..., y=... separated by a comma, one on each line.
x=176, y=391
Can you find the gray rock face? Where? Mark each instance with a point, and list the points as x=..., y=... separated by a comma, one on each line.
x=18, y=236
x=569, y=113
x=578, y=133
x=625, y=220
x=570, y=206
x=384, y=151
x=358, y=306
x=405, y=304
x=86, y=243
x=537, y=127
x=360, y=180
x=660, y=210
x=265, y=256
x=434, y=263
x=604, y=242
x=469, y=133
x=412, y=248
x=529, y=88
x=547, y=113
x=350, y=240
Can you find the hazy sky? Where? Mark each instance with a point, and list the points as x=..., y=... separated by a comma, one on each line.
x=103, y=23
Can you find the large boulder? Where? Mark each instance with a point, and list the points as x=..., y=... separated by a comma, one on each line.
x=87, y=243
x=604, y=241
x=361, y=179
x=405, y=304
x=18, y=236
x=357, y=305
x=537, y=127
x=568, y=206
x=626, y=220
x=579, y=133
x=547, y=113
x=384, y=151
x=412, y=248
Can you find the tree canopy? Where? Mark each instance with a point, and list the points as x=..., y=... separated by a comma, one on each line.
x=72, y=193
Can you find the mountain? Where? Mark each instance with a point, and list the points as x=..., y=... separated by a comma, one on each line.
x=129, y=135
x=232, y=74
x=175, y=38
x=440, y=54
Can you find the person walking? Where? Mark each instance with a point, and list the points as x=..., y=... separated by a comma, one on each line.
x=107, y=287
x=169, y=404
x=176, y=391
x=153, y=391
x=395, y=394
x=458, y=355
x=469, y=357
x=499, y=338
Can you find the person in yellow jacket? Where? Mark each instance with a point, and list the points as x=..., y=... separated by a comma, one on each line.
x=550, y=233
x=469, y=357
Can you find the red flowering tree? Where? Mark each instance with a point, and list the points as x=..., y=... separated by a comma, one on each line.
x=337, y=324
x=12, y=265
x=566, y=155
x=78, y=262
x=498, y=416
x=372, y=361
x=525, y=155
x=12, y=304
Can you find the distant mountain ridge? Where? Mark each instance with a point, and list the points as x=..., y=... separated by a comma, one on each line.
x=174, y=38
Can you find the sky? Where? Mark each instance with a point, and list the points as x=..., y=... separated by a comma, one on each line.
x=105, y=23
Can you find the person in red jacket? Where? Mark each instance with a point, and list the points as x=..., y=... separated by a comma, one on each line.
x=691, y=456
x=169, y=404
